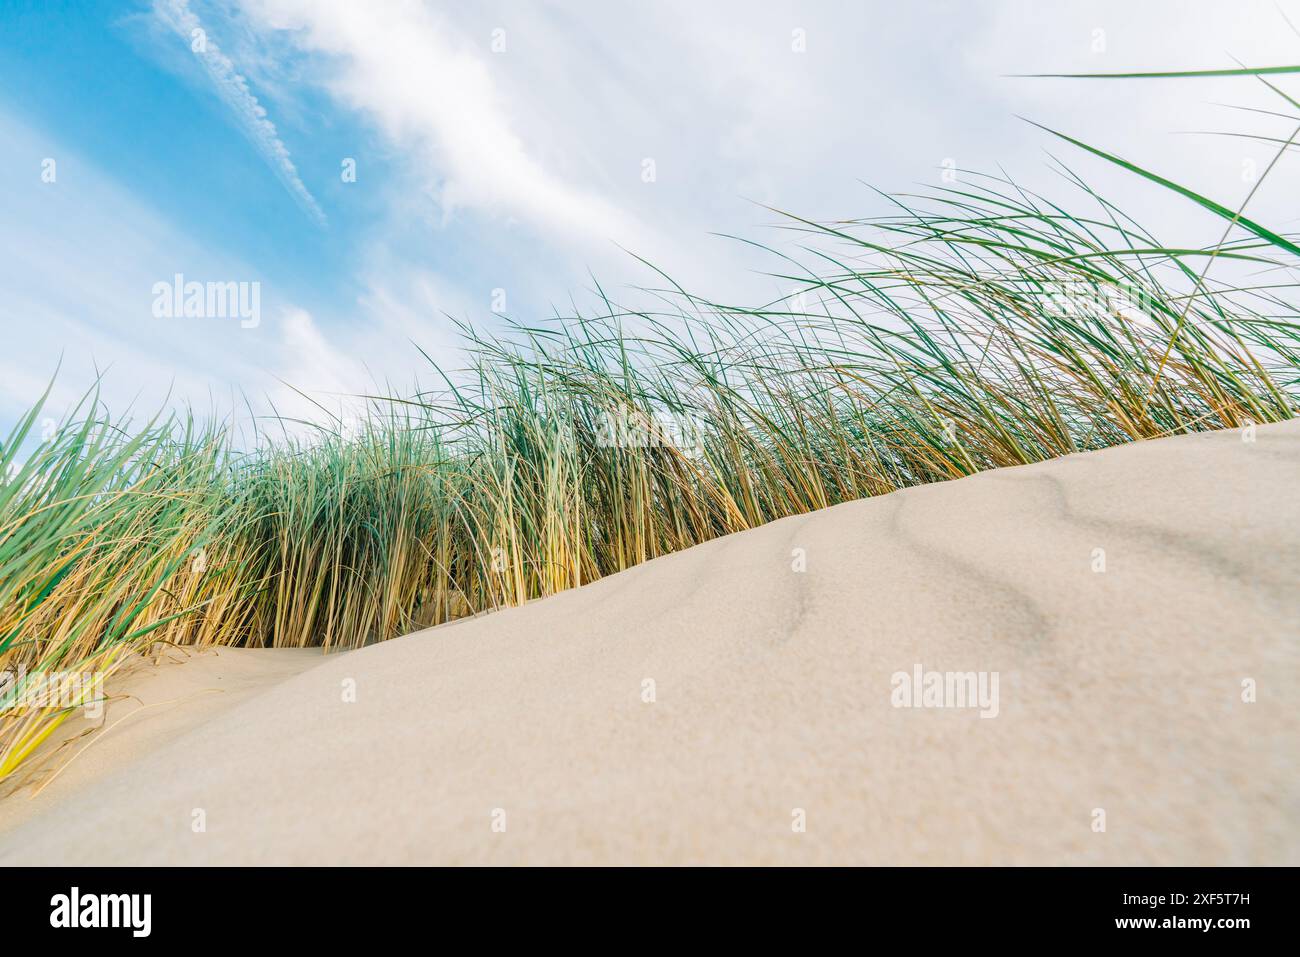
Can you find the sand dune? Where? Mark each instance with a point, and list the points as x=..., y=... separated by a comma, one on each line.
x=774, y=696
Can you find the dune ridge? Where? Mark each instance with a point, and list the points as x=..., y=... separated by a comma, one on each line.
x=774, y=698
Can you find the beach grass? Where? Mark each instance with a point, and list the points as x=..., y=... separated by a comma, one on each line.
x=973, y=327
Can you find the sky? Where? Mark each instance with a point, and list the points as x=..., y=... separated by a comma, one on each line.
x=367, y=175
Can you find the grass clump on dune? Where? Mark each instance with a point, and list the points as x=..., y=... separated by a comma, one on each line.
x=972, y=328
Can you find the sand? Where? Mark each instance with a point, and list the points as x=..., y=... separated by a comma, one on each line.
x=1146, y=713
x=151, y=703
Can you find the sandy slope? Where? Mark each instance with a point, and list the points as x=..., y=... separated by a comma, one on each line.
x=1119, y=690
x=150, y=704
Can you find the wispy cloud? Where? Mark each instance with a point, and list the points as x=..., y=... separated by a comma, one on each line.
x=409, y=69
x=80, y=300
x=233, y=89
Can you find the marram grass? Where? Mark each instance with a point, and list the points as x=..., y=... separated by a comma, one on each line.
x=976, y=327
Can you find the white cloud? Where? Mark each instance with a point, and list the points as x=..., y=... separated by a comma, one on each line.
x=411, y=73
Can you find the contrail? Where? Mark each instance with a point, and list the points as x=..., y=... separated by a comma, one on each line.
x=233, y=90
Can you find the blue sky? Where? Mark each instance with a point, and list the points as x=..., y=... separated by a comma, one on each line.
x=89, y=78
x=504, y=146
